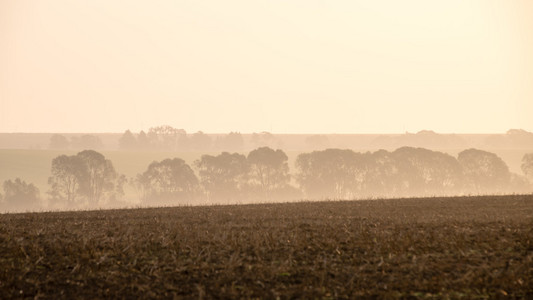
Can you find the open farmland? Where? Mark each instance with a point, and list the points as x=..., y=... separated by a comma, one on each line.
x=472, y=247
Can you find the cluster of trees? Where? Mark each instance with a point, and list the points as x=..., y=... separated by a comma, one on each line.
x=334, y=174
x=19, y=195
x=263, y=175
x=513, y=138
x=88, y=179
x=84, y=179
x=405, y=172
x=168, y=138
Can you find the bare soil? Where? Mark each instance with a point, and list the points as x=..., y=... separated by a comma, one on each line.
x=464, y=247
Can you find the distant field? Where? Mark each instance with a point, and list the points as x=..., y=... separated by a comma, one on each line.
x=477, y=247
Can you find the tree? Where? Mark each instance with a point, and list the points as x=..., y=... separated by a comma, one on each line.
x=58, y=141
x=425, y=172
x=519, y=138
x=143, y=141
x=513, y=138
x=527, y=166
x=168, y=180
x=331, y=173
x=87, y=176
x=269, y=170
x=101, y=175
x=127, y=141
x=224, y=176
x=165, y=137
x=484, y=172
x=382, y=177
x=68, y=180
x=19, y=195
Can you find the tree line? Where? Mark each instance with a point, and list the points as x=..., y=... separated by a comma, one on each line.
x=88, y=179
x=168, y=138
x=160, y=138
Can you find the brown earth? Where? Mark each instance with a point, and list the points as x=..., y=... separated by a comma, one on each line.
x=468, y=247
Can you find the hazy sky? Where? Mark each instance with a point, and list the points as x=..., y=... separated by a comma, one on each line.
x=281, y=66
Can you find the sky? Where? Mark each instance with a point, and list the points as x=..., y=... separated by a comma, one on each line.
x=299, y=66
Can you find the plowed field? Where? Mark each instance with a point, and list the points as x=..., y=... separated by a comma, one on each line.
x=467, y=247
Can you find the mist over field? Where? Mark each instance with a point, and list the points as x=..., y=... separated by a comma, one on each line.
x=174, y=103
x=166, y=166
x=252, y=149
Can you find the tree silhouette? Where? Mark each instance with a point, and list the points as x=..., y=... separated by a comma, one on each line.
x=331, y=173
x=101, y=175
x=484, y=172
x=127, y=141
x=68, y=180
x=223, y=177
x=425, y=172
x=87, y=176
x=527, y=166
x=166, y=137
x=167, y=181
x=19, y=195
x=269, y=170
x=513, y=138
x=143, y=141
x=382, y=176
